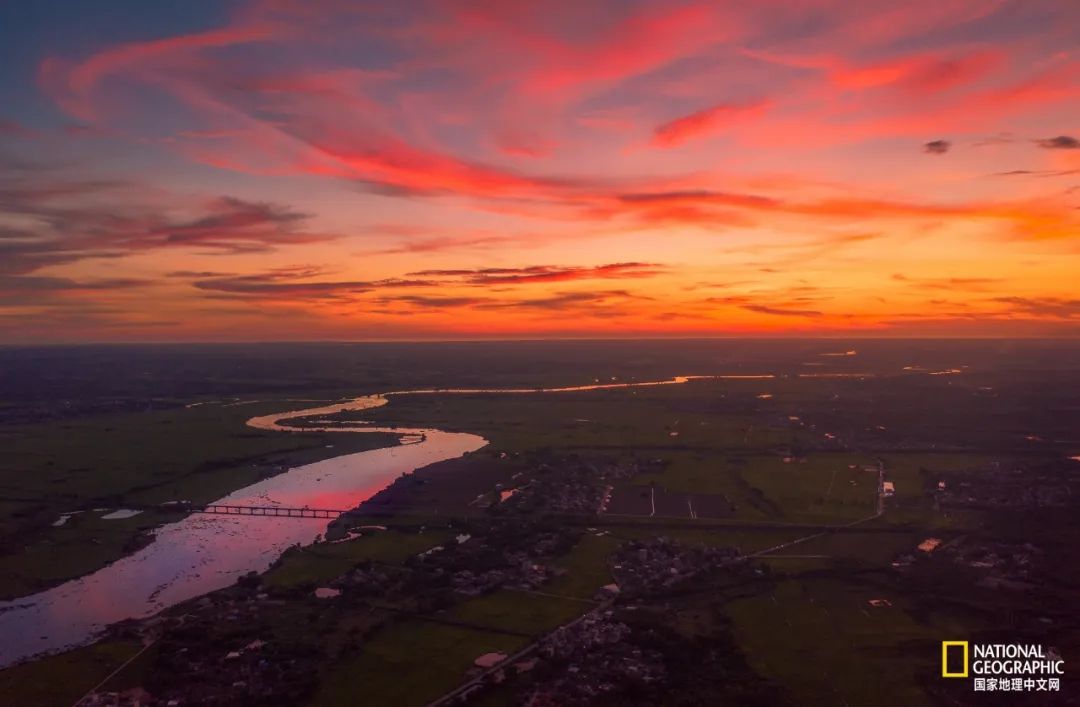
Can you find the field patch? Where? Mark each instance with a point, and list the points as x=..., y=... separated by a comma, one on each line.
x=837, y=647
x=586, y=565
x=324, y=562
x=818, y=488
x=62, y=679
x=408, y=664
x=521, y=612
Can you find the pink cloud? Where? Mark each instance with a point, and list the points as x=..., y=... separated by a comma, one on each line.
x=706, y=122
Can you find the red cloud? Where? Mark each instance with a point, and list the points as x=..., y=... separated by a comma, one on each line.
x=509, y=73
x=630, y=47
x=707, y=122
x=1033, y=220
x=437, y=101
x=918, y=74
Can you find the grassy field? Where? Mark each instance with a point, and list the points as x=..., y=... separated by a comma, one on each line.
x=586, y=567
x=694, y=473
x=746, y=540
x=150, y=457
x=521, y=612
x=641, y=418
x=912, y=473
x=454, y=487
x=409, y=663
x=821, y=488
x=64, y=678
x=837, y=649
x=324, y=562
x=197, y=454
x=874, y=548
x=82, y=545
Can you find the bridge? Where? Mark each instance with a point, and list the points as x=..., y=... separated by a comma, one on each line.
x=263, y=511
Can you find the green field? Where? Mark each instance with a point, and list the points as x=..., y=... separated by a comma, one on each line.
x=836, y=648
x=586, y=566
x=626, y=419
x=819, y=488
x=519, y=612
x=745, y=540
x=914, y=474
x=876, y=548
x=318, y=564
x=408, y=664
x=82, y=545
x=197, y=454
x=64, y=678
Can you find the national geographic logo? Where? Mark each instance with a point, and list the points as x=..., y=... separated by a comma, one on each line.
x=1003, y=667
x=954, y=659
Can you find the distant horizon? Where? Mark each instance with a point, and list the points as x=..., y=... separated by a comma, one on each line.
x=763, y=338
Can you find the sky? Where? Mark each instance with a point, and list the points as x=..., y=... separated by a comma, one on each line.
x=436, y=169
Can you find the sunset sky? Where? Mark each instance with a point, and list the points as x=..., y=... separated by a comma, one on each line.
x=287, y=169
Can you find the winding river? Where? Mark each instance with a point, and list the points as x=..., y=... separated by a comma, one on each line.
x=202, y=553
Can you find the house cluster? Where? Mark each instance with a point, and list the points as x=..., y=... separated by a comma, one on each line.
x=1001, y=565
x=132, y=697
x=524, y=574
x=657, y=563
x=492, y=558
x=572, y=485
x=592, y=661
x=374, y=579
x=1001, y=487
x=210, y=655
x=995, y=565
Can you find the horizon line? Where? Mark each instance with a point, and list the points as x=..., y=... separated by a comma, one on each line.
x=462, y=340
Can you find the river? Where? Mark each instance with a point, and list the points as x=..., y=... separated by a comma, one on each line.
x=203, y=553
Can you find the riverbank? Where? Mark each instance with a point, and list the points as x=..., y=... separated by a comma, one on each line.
x=201, y=553
x=72, y=467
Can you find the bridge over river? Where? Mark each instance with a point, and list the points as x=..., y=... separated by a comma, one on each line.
x=247, y=510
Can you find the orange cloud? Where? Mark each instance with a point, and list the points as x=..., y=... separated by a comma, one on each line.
x=545, y=273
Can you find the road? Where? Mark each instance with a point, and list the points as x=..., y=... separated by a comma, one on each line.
x=475, y=682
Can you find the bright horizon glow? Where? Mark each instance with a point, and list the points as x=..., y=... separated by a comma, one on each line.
x=277, y=170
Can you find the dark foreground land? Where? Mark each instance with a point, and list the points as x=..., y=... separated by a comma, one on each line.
x=719, y=542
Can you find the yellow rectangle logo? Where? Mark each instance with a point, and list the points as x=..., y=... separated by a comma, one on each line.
x=945, y=672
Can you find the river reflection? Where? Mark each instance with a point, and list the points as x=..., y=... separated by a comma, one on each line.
x=202, y=553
